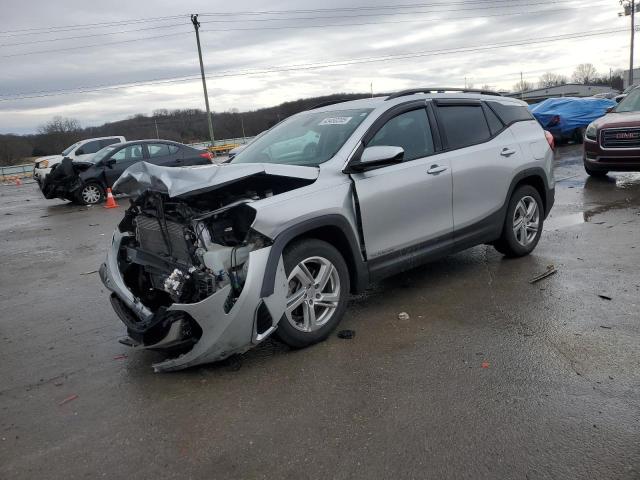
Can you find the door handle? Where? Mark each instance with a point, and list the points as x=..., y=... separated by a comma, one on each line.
x=507, y=152
x=436, y=169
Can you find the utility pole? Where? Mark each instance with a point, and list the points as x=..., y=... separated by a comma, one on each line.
x=630, y=10
x=521, y=87
x=157, y=134
x=196, y=26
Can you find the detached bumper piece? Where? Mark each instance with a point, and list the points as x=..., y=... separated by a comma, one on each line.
x=211, y=329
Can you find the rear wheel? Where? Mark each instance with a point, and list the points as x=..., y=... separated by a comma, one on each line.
x=318, y=289
x=91, y=194
x=523, y=223
x=595, y=173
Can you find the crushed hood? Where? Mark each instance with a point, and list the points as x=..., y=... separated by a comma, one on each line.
x=176, y=181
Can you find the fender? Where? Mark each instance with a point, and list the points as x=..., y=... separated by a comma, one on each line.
x=359, y=273
x=548, y=195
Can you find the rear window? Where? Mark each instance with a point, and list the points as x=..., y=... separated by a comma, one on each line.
x=511, y=113
x=464, y=125
x=109, y=141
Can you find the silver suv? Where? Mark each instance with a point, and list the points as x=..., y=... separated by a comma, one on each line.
x=209, y=261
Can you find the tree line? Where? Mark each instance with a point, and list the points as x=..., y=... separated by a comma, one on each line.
x=585, y=73
x=182, y=125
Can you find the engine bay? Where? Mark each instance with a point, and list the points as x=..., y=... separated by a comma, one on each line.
x=182, y=250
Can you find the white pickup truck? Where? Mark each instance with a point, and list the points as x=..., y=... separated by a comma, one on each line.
x=82, y=150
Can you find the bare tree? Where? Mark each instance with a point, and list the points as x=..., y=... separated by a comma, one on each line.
x=551, y=80
x=58, y=133
x=522, y=86
x=584, y=73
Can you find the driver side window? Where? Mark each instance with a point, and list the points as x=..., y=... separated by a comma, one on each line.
x=127, y=154
x=409, y=130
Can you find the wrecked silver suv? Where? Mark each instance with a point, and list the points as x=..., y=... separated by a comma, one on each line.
x=209, y=261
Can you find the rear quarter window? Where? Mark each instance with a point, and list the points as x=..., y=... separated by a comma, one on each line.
x=511, y=113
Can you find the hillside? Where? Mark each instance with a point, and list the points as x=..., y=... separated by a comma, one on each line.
x=187, y=126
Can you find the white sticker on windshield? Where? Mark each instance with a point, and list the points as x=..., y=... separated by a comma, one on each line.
x=335, y=121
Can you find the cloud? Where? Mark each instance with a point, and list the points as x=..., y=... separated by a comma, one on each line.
x=227, y=48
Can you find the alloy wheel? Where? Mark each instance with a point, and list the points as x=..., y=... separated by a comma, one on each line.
x=526, y=220
x=314, y=294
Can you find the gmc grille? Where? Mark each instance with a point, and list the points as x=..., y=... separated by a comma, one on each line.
x=621, y=138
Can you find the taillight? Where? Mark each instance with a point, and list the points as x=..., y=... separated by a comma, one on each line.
x=207, y=155
x=550, y=140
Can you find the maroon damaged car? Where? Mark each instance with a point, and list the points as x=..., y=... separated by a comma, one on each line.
x=612, y=142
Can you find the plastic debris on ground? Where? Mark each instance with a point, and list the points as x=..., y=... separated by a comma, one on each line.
x=346, y=334
x=403, y=316
x=551, y=269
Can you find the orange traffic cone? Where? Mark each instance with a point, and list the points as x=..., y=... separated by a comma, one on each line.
x=111, y=202
x=18, y=182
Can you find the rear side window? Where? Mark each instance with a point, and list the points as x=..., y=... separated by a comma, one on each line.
x=173, y=149
x=128, y=153
x=109, y=141
x=409, y=130
x=511, y=113
x=495, y=125
x=464, y=125
x=89, y=147
x=158, y=149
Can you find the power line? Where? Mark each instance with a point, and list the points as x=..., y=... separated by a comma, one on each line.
x=428, y=20
x=26, y=31
x=47, y=40
x=93, y=25
x=117, y=42
x=217, y=30
x=319, y=65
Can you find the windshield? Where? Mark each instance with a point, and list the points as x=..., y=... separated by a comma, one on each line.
x=69, y=149
x=308, y=139
x=100, y=155
x=630, y=103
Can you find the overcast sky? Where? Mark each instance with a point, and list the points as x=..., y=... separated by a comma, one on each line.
x=40, y=62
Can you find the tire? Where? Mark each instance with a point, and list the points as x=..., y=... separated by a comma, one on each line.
x=296, y=327
x=91, y=193
x=510, y=244
x=578, y=134
x=595, y=173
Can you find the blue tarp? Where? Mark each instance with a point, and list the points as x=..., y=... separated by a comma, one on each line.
x=562, y=116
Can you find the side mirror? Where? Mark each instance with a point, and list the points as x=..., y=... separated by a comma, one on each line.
x=375, y=157
x=79, y=152
x=610, y=109
x=110, y=163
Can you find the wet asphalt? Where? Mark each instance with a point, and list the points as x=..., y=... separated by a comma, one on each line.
x=490, y=377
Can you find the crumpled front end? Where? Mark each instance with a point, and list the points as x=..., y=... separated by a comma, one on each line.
x=186, y=276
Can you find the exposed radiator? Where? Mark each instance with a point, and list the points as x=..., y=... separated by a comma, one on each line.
x=149, y=234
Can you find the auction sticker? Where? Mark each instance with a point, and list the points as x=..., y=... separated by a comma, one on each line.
x=335, y=121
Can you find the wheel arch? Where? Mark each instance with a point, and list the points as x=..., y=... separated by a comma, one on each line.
x=536, y=178
x=333, y=229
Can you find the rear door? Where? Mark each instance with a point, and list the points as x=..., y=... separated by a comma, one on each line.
x=164, y=154
x=405, y=208
x=123, y=159
x=483, y=154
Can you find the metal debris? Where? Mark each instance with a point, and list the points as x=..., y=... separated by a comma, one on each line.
x=551, y=269
x=347, y=334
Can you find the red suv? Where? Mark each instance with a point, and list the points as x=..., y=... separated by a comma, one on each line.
x=612, y=142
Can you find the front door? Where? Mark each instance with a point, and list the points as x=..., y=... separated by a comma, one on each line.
x=124, y=158
x=406, y=207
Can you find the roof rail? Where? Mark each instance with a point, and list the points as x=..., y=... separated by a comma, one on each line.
x=327, y=103
x=413, y=91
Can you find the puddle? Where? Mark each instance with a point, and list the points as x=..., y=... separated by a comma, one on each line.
x=564, y=221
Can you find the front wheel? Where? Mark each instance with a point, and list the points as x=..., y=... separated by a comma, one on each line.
x=595, y=173
x=523, y=223
x=91, y=194
x=318, y=290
